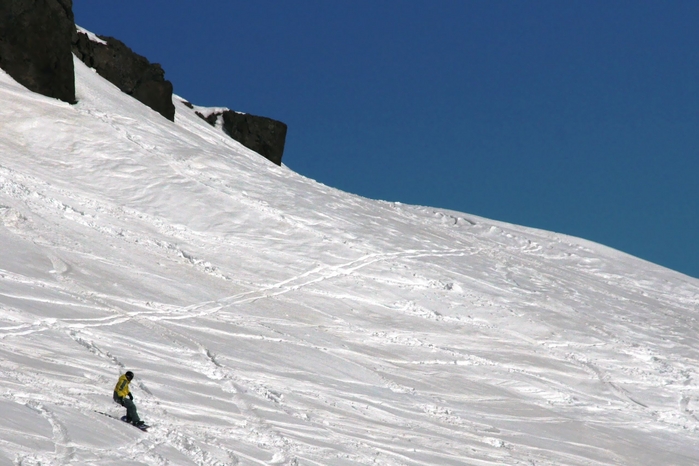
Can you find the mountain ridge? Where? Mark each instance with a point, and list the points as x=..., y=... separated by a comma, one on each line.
x=38, y=40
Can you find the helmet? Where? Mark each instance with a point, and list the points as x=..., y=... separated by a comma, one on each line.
x=129, y=375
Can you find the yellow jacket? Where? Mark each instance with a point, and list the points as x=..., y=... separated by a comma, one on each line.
x=122, y=387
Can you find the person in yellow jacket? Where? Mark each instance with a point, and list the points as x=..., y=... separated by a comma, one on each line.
x=123, y=396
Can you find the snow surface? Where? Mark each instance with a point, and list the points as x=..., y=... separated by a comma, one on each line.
x=91, y=35
x=206, y=111
x=273, y=320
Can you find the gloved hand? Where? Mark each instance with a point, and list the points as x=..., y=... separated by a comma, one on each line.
x=130, y=397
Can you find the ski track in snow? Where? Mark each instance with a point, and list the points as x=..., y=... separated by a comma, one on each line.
x=273, y=320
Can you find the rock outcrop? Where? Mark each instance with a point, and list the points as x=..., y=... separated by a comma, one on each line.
x=35, y=45
x=129, y=71
x=38, y=39
x=263, y=135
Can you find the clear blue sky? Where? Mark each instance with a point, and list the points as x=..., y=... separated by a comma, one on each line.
x=580, y=117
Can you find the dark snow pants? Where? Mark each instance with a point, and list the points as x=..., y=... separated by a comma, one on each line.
x=129, y=405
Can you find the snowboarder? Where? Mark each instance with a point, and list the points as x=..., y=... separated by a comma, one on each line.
x=123, y=396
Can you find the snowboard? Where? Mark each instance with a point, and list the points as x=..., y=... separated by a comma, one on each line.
x=142, y=427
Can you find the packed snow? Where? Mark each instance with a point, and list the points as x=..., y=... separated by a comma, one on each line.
x=90, y=35
x=270, y=319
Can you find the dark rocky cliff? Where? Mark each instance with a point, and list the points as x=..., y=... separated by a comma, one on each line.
x=129, y=71
x=35, y=45
x=263, y=135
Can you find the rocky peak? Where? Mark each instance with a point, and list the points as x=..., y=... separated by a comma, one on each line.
x=129, y=71
x=264, y=135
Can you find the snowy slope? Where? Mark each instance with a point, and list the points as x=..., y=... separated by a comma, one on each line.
x=272, y=320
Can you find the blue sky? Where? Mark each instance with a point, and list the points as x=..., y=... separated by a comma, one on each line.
x=580, y=117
